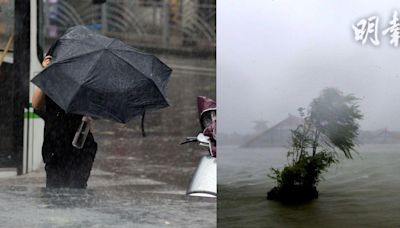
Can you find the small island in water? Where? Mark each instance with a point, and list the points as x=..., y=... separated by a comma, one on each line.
x=329, y=127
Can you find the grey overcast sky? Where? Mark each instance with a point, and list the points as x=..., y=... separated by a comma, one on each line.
x=276, y=56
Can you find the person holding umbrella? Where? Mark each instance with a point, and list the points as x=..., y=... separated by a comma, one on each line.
x=96, y=76
x=65, y=165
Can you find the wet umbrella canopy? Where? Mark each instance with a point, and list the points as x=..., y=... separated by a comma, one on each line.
x=103, y=77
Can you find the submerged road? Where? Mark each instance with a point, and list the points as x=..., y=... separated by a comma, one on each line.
x=135, y=181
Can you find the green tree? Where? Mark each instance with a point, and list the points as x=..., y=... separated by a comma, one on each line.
x=330, y=126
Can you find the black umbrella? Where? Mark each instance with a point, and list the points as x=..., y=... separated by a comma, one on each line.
x=102, y=77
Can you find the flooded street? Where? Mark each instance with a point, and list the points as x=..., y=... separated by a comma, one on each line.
x=123, y=206
x=135, y=181
x=362, y=192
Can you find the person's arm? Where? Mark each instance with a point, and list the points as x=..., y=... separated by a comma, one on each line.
x=38, y=98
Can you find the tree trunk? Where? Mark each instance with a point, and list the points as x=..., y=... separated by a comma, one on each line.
x=315, y=142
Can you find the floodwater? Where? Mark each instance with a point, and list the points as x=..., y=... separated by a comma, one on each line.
x=135, y=182
x=363, y=192
x=29, y=206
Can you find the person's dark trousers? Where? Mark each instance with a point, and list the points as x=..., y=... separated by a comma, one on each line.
x=70, y=170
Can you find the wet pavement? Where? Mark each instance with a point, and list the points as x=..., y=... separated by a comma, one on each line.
x=135, y=181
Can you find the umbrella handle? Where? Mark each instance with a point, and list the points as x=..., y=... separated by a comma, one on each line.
x=81, y=133
x=88, y=119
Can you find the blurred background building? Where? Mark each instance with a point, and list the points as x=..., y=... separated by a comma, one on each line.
x=167, y=25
